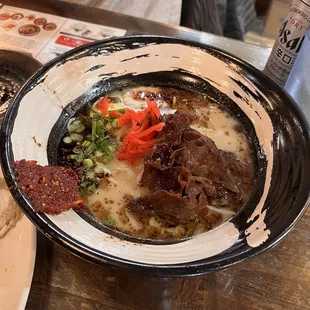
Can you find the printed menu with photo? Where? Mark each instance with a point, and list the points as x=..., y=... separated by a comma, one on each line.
x=25, y=30
x=47, y=36
x=74, y=33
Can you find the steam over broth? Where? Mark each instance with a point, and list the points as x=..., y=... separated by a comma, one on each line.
x=121, y=185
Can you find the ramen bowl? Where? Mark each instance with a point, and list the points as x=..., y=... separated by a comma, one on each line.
x=37, y=119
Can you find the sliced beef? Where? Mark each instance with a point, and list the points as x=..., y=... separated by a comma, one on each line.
x=169, y=138
x=203, y=158
x=201, y=182
x=172, y=179
x=186, y=171
x=171, y=207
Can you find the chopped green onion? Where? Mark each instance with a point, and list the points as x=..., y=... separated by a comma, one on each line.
x=190, y=229
x=77, y=157
x=106, y=159
x=76, y=137
x=67, y=140
x=172, y=230
x=88, y=163
x=92, y=188
x=99, y=153
x=99, y=170
x=88, y=186
x=89, y=150
x=115, y=123
x=91, y=146
x=154, y=223
x=76, y=126
x=93, y=130
x=78, y=149
x=73, y=156
x=109, y=221
x=86, y=143
x=90, y=175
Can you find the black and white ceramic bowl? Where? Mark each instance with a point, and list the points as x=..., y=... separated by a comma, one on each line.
x=272, y=120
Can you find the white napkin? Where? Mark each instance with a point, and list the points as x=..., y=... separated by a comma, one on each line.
x=10, y=213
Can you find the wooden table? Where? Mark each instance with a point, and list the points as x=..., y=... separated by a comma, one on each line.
x=278, y=279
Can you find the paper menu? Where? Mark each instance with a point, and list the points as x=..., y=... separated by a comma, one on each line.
x=46, y=36
x=26, y=30
x=90, y=31
x=74, y=33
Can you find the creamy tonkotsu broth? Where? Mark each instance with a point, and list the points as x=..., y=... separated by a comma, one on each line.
x=121, y=181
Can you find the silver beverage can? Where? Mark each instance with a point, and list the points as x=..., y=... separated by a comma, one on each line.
x=291, y=36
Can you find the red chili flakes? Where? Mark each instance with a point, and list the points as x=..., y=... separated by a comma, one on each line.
x=52, y=189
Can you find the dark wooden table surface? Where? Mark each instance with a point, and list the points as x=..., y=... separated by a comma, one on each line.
x=278, y=279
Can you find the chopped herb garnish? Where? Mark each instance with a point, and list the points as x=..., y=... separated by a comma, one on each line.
x=109, y=221
x=91, y=145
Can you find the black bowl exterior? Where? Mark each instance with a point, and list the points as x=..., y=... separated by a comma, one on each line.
x=288, y=195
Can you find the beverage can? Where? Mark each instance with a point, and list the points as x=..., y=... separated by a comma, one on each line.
x=298, y=83
x=288, y=44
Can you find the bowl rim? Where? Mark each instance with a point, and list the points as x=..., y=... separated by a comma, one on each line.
x=54, y=233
